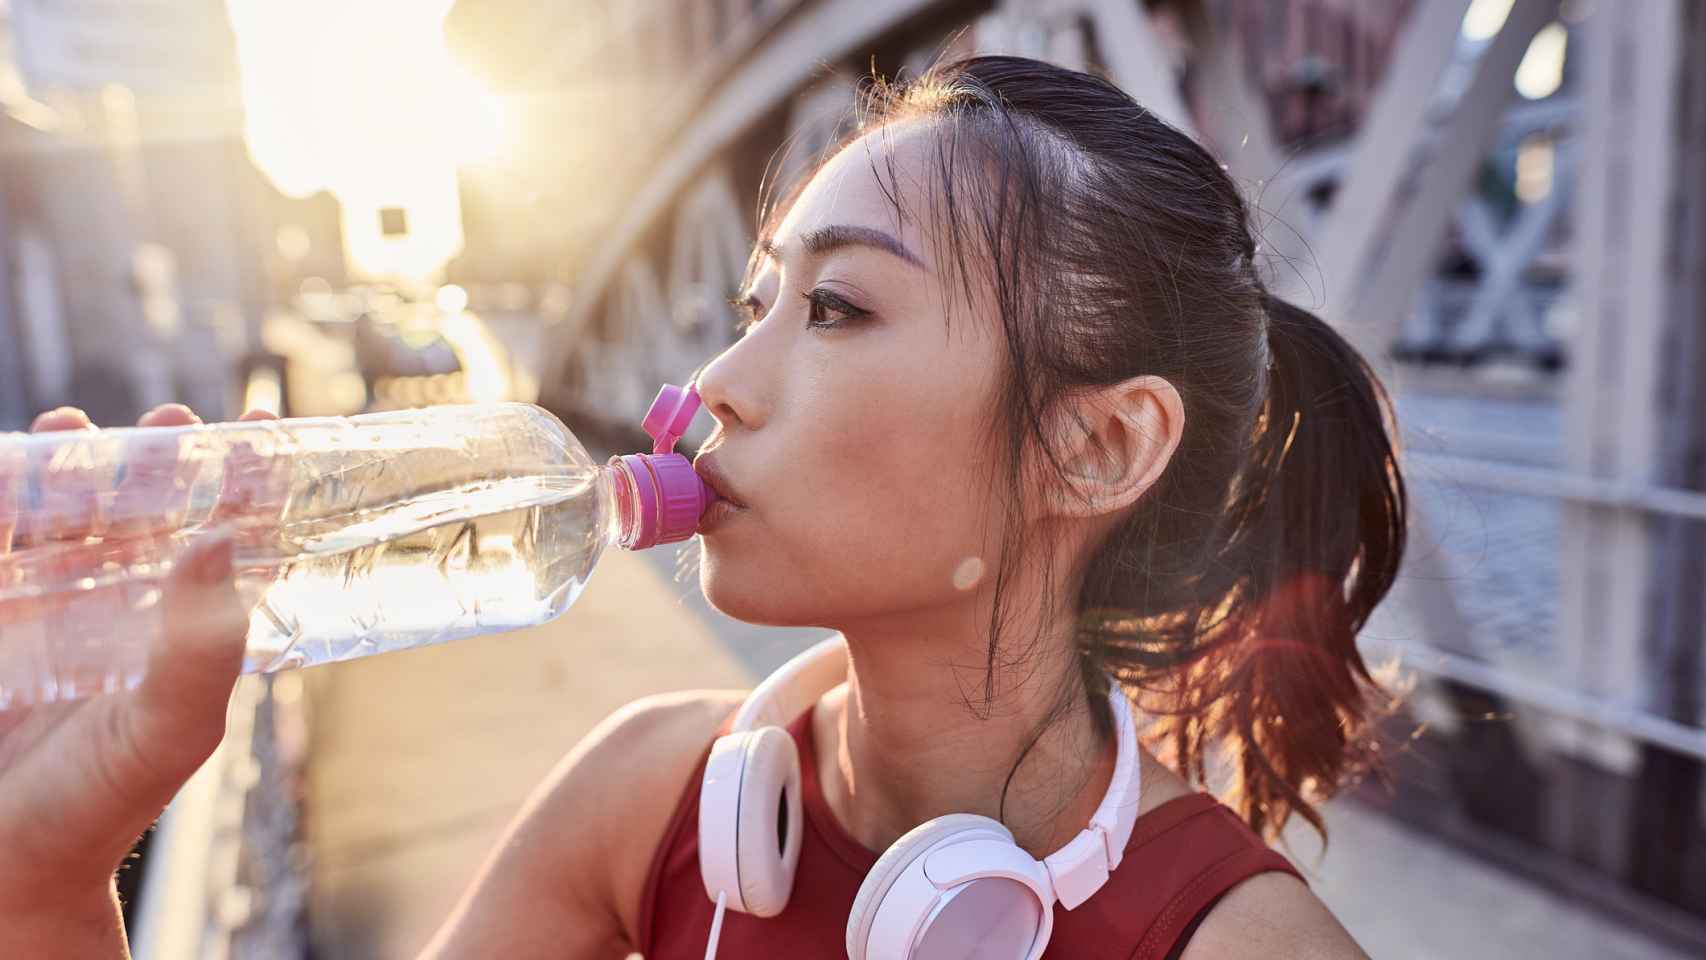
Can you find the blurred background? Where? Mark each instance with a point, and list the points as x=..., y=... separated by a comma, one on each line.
x=333, y=206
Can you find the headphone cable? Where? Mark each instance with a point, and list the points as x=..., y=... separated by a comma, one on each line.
x=716, y=925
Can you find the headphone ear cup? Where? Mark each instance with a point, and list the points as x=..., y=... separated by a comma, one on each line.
x=768, y=829
x=894, y=862
x=749, y=820
x=719, y=808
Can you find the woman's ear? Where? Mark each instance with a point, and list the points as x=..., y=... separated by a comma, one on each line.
x=1115, y=442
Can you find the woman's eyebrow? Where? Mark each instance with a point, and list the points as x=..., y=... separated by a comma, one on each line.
x=837, y=236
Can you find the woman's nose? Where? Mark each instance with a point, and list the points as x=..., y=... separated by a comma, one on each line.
x=729, y=392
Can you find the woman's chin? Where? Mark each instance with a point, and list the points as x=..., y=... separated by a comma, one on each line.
x=744, y=605
x=750, y=600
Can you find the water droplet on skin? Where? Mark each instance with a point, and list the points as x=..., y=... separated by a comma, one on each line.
x=969, y=573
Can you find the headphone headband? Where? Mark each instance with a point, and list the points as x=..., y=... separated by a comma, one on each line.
x=794, y=687
x=1078, y=869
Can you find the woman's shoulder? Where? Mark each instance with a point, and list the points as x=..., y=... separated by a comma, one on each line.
x=571, y=869
x=1271, y=914
x=677, y=725
x=644, y=754
x=637, y=760
x=652, y=745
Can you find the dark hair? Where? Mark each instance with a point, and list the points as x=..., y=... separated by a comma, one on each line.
x=1228, y=600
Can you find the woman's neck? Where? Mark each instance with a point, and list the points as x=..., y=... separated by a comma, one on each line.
x=913, y=736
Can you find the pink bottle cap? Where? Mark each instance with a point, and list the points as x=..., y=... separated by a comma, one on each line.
x=667, y=495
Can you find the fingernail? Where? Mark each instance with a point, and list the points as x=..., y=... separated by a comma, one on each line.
x=213, y=564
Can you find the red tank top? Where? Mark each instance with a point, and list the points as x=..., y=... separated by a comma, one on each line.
x=1182, y=856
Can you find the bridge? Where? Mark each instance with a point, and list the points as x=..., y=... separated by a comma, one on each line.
x=1503, y=226
x=1499, y=201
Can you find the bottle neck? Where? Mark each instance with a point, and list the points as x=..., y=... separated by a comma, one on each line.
x=618, y=505
x=655, y=498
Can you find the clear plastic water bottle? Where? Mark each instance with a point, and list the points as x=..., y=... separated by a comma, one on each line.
x=352, y=536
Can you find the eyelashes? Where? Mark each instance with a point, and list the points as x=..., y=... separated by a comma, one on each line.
x=822, y=304
x=825, y=310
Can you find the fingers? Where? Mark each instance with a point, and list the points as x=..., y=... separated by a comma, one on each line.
x=195, y=659
x=159, y=471
x=63, y=513
x=63, y=418
x=168, y=415
x=76, y=493
x=13, y=477
x=65, y=490
x=256, y=483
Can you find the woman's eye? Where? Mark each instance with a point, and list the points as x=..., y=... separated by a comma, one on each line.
x=827, y=311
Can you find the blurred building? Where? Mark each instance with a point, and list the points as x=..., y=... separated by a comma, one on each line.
x=143, y=245
x=1317, y=63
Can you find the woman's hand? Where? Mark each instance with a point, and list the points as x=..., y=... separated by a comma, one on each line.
x=80, y=780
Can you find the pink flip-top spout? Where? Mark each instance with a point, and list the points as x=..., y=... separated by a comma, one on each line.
x=663, y=496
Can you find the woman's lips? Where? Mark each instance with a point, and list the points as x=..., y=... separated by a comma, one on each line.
x=727, y=506
x=717, y=514
x=713, y=475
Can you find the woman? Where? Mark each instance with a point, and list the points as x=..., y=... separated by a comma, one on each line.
x=1013, y=413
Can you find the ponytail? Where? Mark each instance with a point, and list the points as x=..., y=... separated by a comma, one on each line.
x=1239, y=627
x=1320, y=527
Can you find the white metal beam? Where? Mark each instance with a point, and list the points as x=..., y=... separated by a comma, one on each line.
x=1237, y=127
x=1565, y=485
x=1505, y=255
x=1385, y=294
x=1619, y=283
x=1137, y=60
x=1560, y=701
x=1629, y=66
x=1392, y=128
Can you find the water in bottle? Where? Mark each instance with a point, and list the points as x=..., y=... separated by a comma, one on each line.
x=352, y=536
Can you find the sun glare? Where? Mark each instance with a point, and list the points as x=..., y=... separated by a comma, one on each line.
x=361, y=98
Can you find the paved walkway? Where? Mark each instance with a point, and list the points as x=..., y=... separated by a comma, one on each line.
x=419, y=759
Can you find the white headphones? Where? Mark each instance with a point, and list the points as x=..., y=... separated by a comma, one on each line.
x=954, y=887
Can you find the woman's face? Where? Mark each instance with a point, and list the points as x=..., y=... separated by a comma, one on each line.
x=853, y=415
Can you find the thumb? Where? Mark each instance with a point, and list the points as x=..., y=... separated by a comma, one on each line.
x=194, y=660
